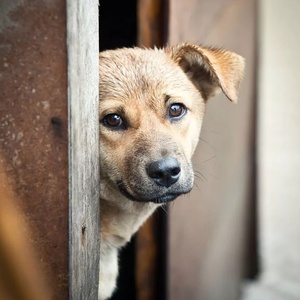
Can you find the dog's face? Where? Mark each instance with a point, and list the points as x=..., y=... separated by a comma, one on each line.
x=152, y=104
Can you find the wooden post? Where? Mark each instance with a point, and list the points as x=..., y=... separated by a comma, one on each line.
x=49, y=84
x=84, y=179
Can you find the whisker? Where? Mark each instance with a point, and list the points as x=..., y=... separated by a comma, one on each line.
x=198, y=177
x=207, y=160
x=203, y=140
x=196, y=185
x=200, y=174
x=165, y=208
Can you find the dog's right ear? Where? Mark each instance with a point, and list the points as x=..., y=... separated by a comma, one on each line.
x=211, y=70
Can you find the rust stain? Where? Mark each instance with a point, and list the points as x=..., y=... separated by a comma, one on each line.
x=33, y=131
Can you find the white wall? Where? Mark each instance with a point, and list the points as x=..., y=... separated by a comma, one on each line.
x=279, y=152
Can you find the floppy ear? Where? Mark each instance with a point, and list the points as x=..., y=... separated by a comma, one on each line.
x=211, y=70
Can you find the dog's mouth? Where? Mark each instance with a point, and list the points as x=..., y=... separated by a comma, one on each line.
x=167, y=197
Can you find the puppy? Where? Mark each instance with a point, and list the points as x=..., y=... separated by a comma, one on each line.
x=152, y=104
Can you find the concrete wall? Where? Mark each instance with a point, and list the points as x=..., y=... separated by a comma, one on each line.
x=279, y=152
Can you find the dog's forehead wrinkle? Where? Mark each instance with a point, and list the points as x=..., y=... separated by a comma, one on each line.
x=137, y=65
x=133, y=89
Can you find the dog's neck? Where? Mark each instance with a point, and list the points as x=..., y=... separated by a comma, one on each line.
x=119, y=223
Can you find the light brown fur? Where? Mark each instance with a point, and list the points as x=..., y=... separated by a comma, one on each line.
x=140, y=85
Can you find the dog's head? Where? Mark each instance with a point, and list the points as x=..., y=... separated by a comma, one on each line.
x=152, y=104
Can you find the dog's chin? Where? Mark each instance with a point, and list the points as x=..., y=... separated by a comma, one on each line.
x=167, y=197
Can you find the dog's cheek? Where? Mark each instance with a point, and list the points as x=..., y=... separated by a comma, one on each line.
x=136, y=159
x=196, y=120
x=190, y=136
x=111, y=158
x=194, y=136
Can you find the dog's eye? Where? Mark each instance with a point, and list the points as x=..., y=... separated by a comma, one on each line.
x=176, y=111
x=114, y=121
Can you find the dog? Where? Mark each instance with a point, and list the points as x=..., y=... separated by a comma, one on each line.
x=152, y=103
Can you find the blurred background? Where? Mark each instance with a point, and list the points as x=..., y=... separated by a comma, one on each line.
x=237, y=235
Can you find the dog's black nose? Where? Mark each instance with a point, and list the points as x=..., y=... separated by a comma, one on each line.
x=164, y=172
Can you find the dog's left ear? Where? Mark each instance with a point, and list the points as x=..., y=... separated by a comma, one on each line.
x=210, y=69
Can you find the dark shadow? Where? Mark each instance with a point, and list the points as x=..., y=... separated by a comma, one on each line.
x=118, y=28
x=118, y=24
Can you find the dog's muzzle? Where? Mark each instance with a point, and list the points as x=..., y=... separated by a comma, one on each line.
x=164, y=172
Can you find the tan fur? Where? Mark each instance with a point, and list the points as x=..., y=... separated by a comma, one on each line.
x=140, y=85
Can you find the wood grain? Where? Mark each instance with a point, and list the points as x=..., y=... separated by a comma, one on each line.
x=84, y=179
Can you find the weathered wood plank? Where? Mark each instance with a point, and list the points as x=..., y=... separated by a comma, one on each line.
x=83, y=84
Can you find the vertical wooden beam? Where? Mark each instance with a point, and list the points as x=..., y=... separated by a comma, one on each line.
x=151, y=14
x=84, y=179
